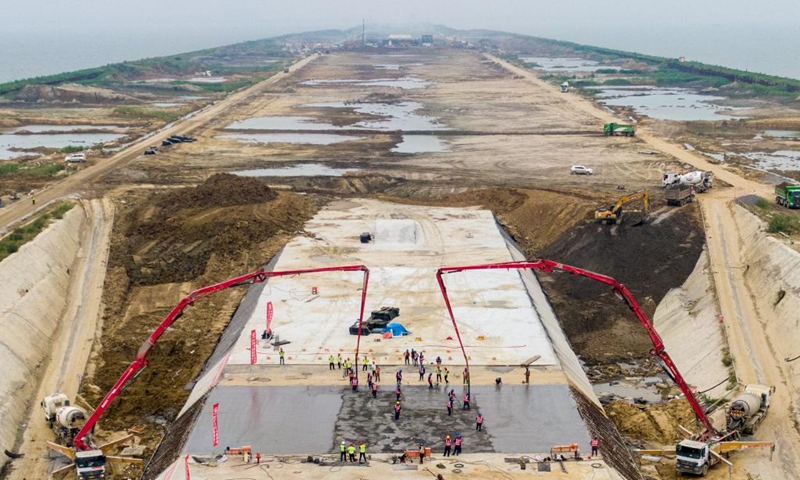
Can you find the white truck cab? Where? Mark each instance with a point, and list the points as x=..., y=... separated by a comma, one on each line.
x=51, y=404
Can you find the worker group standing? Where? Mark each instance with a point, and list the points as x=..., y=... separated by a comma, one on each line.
x=348, y=453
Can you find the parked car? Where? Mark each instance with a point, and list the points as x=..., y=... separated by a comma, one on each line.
x=150, y=151
x=75, y=158
x=166, y=143
x=581, y=170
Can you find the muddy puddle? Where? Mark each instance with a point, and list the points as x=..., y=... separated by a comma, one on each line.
x=666, y=103
x=395, y=66
x=406, y=83
x=634, y=389
x=566, y=64
x=392, y=117
x=301, y=170
x=789, y=134
x=295, y=138
x=421, y=144
x=68, y=135
x=780, y=160
x=208, y=79
x=397, y=116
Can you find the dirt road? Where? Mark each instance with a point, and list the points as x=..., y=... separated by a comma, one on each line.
x=749, y=344
x=81, y=180
x=72, y=345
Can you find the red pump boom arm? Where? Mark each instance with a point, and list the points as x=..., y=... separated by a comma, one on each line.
x=137, y=365
x=548, y=266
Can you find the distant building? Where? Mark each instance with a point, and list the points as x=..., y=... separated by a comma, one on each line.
x=400, y=40
x=427, y=40
x=681, y=59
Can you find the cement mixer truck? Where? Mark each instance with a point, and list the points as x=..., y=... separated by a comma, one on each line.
x=699, y=179
x=66, y=420
x=748, y=409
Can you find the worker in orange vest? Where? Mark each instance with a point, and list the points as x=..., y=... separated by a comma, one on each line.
x=397, y=410
x=447, y=444
x=449, y=408
x=479, y=422
x=595, y=446
x=374, y=390
x=466, y=401
x=457, y=448
x=354, y=383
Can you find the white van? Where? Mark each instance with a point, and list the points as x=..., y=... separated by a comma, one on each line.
x=75, y=158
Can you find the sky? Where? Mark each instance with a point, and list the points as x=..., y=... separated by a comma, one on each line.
x=698, y=29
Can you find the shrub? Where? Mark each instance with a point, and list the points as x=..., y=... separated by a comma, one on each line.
x=783, y=223
x=72, y=149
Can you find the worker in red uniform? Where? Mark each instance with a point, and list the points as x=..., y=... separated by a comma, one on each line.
x=407, y=357
x=466, y=401
x=595, y=446
x=399, y=377
x=430, y=381
x=479, y=422
x=397, y=410
x=457, y=444
x=374, y=390
x=447, y=444
x=354, y=383
x=398, y=392
x=449, y=408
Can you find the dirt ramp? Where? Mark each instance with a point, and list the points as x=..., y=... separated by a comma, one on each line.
x=649, y=259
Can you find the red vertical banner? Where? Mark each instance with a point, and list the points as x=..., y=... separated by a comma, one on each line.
x=269, y=317
x=214, y=425
x=188, y=474
x=253, y=356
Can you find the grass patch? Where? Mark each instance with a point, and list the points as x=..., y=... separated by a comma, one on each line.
x=763, y=203
x=783, y=223
x=36, y=171
x=727, y=360
x=146, y=113
x=22, y=235
x=7, y=169
x=72, y=149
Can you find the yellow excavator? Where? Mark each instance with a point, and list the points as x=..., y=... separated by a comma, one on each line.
x=613, y=214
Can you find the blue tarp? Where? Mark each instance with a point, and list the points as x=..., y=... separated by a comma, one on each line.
x=396, y=329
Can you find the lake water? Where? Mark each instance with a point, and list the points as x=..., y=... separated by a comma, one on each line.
x=781, y=160
x=566, y=64
x=406, y=83
x=61, y=128
x=10, y=140
x=666, y=103
x=421, y=144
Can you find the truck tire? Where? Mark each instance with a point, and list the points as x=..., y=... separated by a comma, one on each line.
x=705, y=470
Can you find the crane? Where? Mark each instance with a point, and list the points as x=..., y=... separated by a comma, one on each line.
x=620, y=291
x=84, y=446
x=614, y=212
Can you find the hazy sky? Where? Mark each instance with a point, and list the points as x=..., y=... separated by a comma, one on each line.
x=49, y=36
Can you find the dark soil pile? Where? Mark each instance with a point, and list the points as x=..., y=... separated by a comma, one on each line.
x=649, y=259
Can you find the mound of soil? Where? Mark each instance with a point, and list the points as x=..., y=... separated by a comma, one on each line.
x=163, y=246
x=657, y=423
x=649, y=259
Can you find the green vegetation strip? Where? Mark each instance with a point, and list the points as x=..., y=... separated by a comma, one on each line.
x=37, y=171
x=141, y=113
x=11, y=243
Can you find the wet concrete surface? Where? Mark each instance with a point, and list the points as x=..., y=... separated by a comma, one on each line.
x=314, y=420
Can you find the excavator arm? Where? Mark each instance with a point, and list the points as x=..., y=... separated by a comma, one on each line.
x=140, y=362
x=643, y=194
x=622, y=292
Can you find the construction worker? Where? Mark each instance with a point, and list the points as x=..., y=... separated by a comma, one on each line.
x=258, y=458
x=447, y=444
x=354, y=383
x=438, y=374
x=438, y=360
x=346, y=369
x=34, y=200
x=446, y=373
x=362, y=452
x=282, y=355
x=372, y=367
x=449, y=408
x=479, y=422
x=430, y=381
x=414, y=356
x=342, y=450
x=366, y=364
x=397, y=410
x=407, y=357
x=339, y=360
x=452, y=396
x=421, y=357
x=399, y=377
x=527, y=374
x=421, y=453
x=421, y=372
x=398, y=392
x=466, y=401
x=595, y=446
x=466, y=376
x=374, y=390
x=457, y=444
x=351, y=452
x=377, y=373
x=369, y=381
x=330, y=363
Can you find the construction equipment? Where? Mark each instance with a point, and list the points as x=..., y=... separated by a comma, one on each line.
x=613, y=214
x=700, y=179
x=621, y=292
x=748, y=409
x=65, y=419
x=787, y=195
x=377, y=321
x=697, y=458
x=89, y=460
x=678, y=195
x=610, y=129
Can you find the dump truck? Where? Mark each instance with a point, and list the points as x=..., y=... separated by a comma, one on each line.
x=701, y=180
x=377, y=321
x=65, y=419
x=678, y=194
x=611, y=128
x=787, y=195
x=747, y=410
